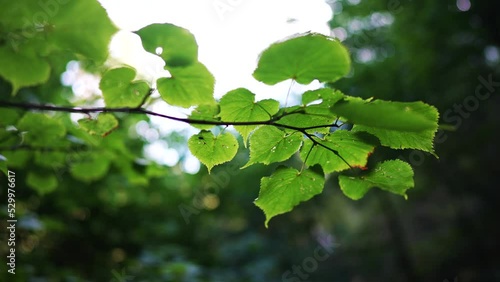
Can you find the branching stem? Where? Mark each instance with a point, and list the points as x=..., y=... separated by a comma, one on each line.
x=139, y=110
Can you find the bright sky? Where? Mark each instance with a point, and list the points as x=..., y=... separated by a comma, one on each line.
x=230, y=34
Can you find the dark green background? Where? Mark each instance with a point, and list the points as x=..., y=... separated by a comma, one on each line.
x=447, y=229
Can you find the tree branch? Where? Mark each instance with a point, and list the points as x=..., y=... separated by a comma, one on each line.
x=41, y=107
x=139, y=110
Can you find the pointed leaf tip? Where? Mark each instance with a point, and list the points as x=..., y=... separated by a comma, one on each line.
x=394, y=176
x=285, y=189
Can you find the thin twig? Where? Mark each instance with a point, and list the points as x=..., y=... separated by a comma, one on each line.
x=139, y=110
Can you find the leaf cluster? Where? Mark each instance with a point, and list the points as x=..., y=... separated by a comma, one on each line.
x=313, y=131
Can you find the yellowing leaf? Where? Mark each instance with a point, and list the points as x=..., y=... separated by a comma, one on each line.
x=102, y=126
x=394, y=176
x=353, y=147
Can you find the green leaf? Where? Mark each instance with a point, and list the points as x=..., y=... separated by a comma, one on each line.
x=17, y=159
x=269, y=144
x=102, y=126
x=92, y=167
x=239, y=106
x=353, y=147
x=206, y=113
x=22, y=70
x=11, y=137
x=119, y=90
x=394, y=176
x=303, y=57
x=315, y=117
x=421, y=140
x=189, y=86
x=50, y=159
x=82, y=27
x=9, y=117
x=12, y=13
x=394, y=139
x=327, y=96
x=43, y=183
x=37, y=31
x=398, y=116
x=178, y=45
x=285, y=189
x=59, y=26
x=40, y=129
x=213, y=150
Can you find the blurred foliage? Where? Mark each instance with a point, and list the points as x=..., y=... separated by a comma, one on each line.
x=143, y=222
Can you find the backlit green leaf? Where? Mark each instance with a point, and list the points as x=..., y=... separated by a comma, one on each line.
x=315, y=117
x=189, y=86
x=421, y=140
x=239, y=105
x=22, y=70
x=176, y=45
x=399, y=116
x=102, y=125
x=119, y=90
x=38, y=29
x=285, y=189
x=269, y=144
x=213, y=150
x=40, y=129
x=327, y=96
x=12, y=13
x=303, y=57
x=394, y=176
x=353, y=147
x=206, y=113
x=83, y=27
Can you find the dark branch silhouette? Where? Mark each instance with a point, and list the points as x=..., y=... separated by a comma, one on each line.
x=139, y=110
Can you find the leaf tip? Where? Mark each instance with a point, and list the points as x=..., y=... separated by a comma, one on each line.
x=209, y=168
x=266, y=223
x=246, y=165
